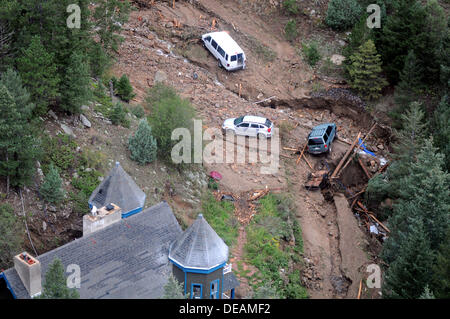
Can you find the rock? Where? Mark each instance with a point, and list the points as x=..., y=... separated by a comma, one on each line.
x=101, y=178
x=313, y=12
x=53, y=115
x=337, y=59
x=88, y=169
x=169, y=24
x=44, y=226
x=51, y=208
x=380, y=146
x=85, y=121
x=160, y=76
x=85, y=108
x=67, y=130
x=342, y=43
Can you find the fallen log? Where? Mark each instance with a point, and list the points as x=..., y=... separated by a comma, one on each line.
x=336, y=171
x=269, y=98
x=360, y=289
x=301, y=154
x=364, y=168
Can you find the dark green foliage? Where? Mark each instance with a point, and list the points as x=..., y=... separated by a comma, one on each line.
x=55, y=286
x=441, y=270
x=442, y=129
x=142, y=144
x=212, y=184
x=444, y=59
x=12, y=229
x=18, y=146
x=365, y=71
x=343, y=14
x=408, y=275
x=173, y=289
x=402, y=32
x=87, y=180
x=61, y=151
x=408, y=89
x=79, y=202
x=118, y=116
x=290, y=30
x=157, y=93
x=51, y=189
x=13, y=83
x=360, y=34
x=39, y=74
x=290, y=6
x=75, y=86
x=311, y=53
x=266, y=291
x=167, y=114
x=124, y=89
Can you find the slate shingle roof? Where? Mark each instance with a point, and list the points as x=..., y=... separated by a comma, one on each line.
x=120, y=189
x=128, y=259
x=199, y=247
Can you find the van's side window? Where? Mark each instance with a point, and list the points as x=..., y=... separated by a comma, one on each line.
x=208, y=39
x=226, y=57
x=221, y=51
x=233, y=58
x=214, y=44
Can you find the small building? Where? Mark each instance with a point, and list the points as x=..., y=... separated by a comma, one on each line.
x=199, y=257
x=120, y=189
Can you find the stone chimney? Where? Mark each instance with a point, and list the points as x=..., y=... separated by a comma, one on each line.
x=29, y=271
x=101, y=218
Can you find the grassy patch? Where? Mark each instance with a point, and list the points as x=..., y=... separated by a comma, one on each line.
x=59, y=150
x=220, y=216
x=268, y=246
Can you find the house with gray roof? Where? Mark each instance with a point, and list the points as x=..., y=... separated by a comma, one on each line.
x=132, y=258
x=118, y=188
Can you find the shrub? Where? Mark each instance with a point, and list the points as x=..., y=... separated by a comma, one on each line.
x=51, y=189
x=86, y=181
x=290, y=6
x=343, y=14
x=118, y=116
x=311, y=53
x=138, y=111
x=79, y=202
x=157, y=93
x=124, y=89
x=142, y=144
x=167, y=114
x=60, y=150
x=11, y=228
x=290, y=30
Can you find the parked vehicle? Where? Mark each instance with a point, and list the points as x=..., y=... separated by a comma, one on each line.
x=321, y=138
x=249, y=126
x=227, y=52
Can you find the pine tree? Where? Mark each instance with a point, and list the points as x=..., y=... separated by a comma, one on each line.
x=173, y=289
x=55, y=286
x=409, y=274
x=18, y=147
x=142, y=144
x=118, y=115
x=444, y=59
x=343, y=14
x=11, y=228
x=365, y=71
x=409, y=86
x=441, y=269
x=39, y=74
x=51, y=189
x=76, y=89
x=442, y=132
x=13, y=83
x=402, y=32
x=124, y=88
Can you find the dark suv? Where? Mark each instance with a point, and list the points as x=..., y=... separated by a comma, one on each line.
x=321, y=137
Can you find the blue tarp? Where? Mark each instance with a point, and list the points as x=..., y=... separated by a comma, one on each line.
x=365, y=149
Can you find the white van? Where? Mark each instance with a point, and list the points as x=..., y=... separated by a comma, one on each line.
x=227, y=52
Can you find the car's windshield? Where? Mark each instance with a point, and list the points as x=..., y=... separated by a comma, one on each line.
x=238, y=120
x=315, y=141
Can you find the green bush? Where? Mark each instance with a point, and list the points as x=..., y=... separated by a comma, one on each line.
x=157, y=93
x=138, y=111
x=118, y=116
x=311, y=53
x=86, y=181
x=290, y=6
x=167, y=114
x=79, y=202
x=343, y=14
x=124, y=89
x=290, y=30
x=59, y=150
x=142, y=144
x=51, y=189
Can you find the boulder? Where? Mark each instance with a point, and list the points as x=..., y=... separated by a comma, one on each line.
x=160, y=76
x=67, y=130
x=85, y=121
x=53, y=115
x=337, y=59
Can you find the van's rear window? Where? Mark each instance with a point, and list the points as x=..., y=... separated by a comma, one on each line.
x=315, y=141
x=233, y=58
x=268, y=123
